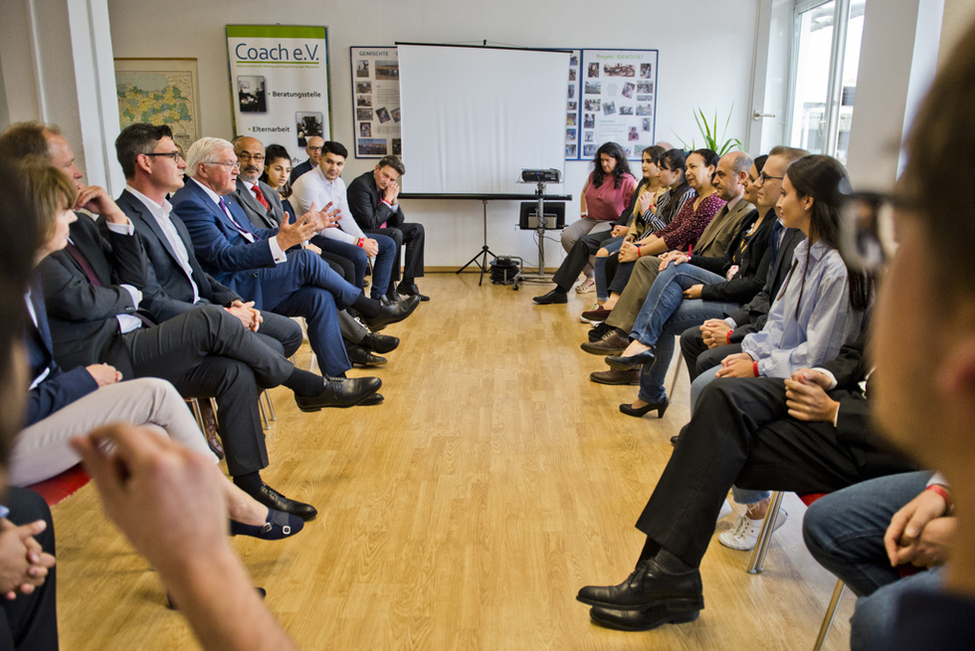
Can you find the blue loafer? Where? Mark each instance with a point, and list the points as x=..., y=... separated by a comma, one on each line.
x=278, y=525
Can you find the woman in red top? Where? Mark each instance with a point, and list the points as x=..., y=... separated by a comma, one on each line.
x=604, y=197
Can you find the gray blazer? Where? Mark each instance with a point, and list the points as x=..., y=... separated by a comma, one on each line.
x=260, y=217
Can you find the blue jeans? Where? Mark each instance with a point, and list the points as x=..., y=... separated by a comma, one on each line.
x=612, y=245
x=844, y=531
x=666, y=314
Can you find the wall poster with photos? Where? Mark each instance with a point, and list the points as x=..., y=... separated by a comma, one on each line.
x=614, y=100
x=279, y=81
x=376, y=102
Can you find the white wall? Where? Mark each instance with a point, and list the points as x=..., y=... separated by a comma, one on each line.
x=706, y=56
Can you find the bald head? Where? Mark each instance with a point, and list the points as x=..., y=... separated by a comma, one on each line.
x=250, y=154
x=731, y=175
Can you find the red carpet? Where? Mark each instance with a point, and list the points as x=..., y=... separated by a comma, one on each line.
x=57, y=488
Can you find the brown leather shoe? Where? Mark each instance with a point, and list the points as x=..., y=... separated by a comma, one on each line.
x=612, y=341
x=210, y=427
x=614, y=376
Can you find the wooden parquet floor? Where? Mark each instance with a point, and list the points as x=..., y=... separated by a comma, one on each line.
x=463, y=513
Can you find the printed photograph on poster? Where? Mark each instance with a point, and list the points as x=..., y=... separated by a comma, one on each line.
x=619, y=70
x=644, y=98
x=570, y=120
x=398, y=146
x=363, y=86
x=646, y=70
x=570, y=135
x=572, y=92
x=572, y=106
x=365, y=129
x=387, y=70
x=609, y=108
x=593, y=70
x=593, y=105
x=587, y=137
x=589, y=151
x=372, y=147
x=570, y=151
x=363, y=114
x=362, y=69
x=594, y=88
x=589, y=121
x=396, y=114
x=572, y=74
x=644, y=109
x=644, y=87
x=363, y=100
x=251, y=95
x=626, y=109
x=628, y=90
x=634, y=135
x=382, y=115
x=306, y=126
x=574, y=60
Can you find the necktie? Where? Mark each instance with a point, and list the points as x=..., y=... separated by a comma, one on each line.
x=777, y=229
x=382, y=195
x=260, y=197
x=226, y=210
x=89, y=272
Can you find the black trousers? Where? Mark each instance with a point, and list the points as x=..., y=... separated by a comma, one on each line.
x=578, y=257
x=206, y=353
x=414, y=238
x=30, y=622
x=742, y=435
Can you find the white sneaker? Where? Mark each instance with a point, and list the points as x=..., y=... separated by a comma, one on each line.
x=582, y=319
x=587, y=286
x=725, y=510
x=744, y=535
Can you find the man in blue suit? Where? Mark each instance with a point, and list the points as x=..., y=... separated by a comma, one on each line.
x=254, y=263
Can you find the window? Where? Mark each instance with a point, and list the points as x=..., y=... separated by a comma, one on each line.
x=824, y=73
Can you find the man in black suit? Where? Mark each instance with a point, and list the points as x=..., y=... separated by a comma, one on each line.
x=314, y=151
x=808, y=434
x=373, y=202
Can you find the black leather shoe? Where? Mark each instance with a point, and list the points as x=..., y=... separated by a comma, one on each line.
x=674, y=439
x=639, y=412
x=649, y=586
x=411, y=290
x=640, y=620
x=552, y=298
x=362, y=357
x=379, y=343
x=600, y=331
x=622, y=363
x=613, y=376
x=392, y=313
x=370, y=400
x=393, y=297
x=340, y=392
x=278, y=502
x=612, y=343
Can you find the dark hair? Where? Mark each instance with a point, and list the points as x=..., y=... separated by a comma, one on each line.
x=271, y=154
x=394, y=161
x=675, y=160
x=136, y=139
x=759, y=162
x=17, y=258
x=26, y=139
x=654, y=153
x=821, y=177
x=945, y=127
x=622, y=166
x=337, y=148
x=710, y=156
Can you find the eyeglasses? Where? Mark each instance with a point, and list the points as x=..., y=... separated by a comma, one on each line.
x=313, y=148
x=867, y=230
x=224, y=163
x=765, y=177
x=257, y=158
x=175, y=155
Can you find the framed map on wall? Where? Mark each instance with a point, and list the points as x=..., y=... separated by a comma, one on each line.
x=159, y=91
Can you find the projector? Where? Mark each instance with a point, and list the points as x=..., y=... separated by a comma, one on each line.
x=541, y=176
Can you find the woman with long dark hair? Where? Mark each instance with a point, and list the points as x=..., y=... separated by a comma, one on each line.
x=604, y=197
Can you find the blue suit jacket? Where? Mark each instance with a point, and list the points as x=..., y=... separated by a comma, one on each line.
x=221, y=249
x=58, y=389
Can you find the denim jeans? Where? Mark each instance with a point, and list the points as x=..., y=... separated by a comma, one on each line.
x=666, y=314
x=844, y=532
x=613, y=246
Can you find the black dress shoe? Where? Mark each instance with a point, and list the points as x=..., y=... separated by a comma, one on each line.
x=362, y=357
x=640, y=620
x=552, y=298
x=639, y=412
x=600, y=331
x=374, y=399
x=340, y=392
x=411, y=290
x=648, y=586
x=674, y=439
x=612, y=343
x=622, y=363
x=379, y=343
x=278, y=502
x=393, y=297
x=392, y=313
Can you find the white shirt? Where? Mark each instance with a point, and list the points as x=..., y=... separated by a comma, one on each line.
x=279, y=255
x=161, y=215
x=33, y=317
x=313, y=187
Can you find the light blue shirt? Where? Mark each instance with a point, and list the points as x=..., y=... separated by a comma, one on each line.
x=825, y=322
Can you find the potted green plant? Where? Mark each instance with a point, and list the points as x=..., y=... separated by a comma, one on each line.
x=709, y=132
